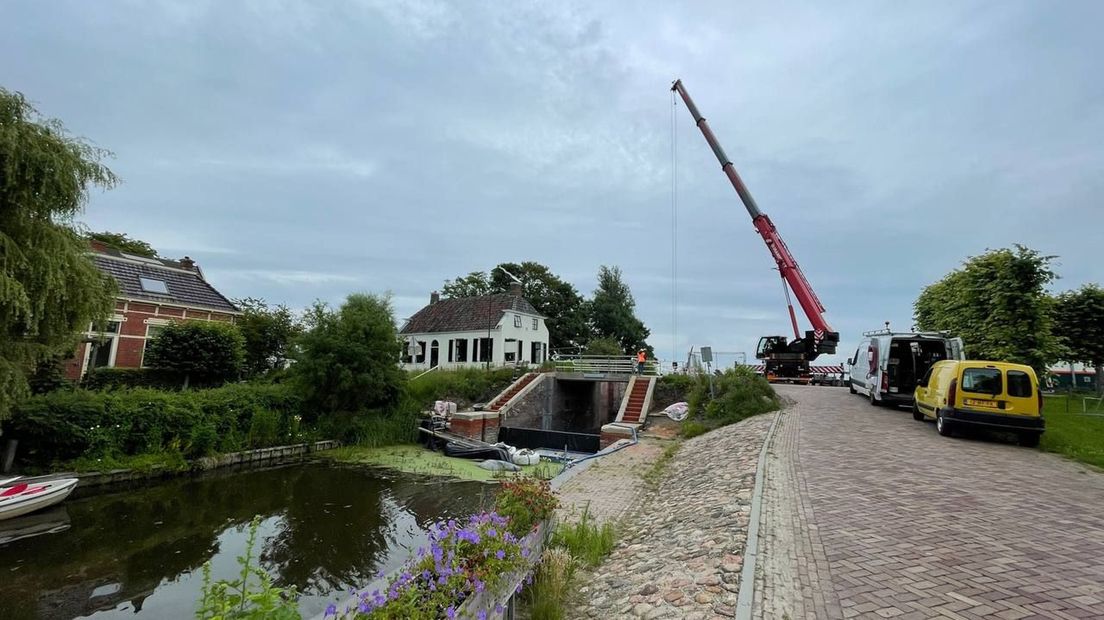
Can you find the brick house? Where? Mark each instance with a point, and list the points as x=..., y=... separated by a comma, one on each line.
x=152, y=292
x=499, y=329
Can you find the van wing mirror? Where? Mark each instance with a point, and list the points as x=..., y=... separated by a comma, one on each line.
x=850, y=361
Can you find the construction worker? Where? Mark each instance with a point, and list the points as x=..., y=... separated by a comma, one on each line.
x=641, y=357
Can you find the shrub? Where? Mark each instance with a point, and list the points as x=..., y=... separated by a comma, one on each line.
x=470, y=385
x=209, y=351
x=551, y=585
x=740, y=393
x=67, y=424
x=693, y=428
x=526, y=502
x=115, y=378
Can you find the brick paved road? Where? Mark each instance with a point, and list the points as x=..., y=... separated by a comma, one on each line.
x=869, y=513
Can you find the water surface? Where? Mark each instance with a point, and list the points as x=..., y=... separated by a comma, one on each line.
x=325, y=529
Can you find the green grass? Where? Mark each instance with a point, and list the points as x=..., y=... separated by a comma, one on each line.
x=167, y=460
x=571, y=546
x=692, y=428
x=655, y=473
x=587, y=541
x=416, y=459
x=1078, y=436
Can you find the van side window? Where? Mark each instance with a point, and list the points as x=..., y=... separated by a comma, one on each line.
x=1019, y=383
x=927, y=377
x=981, y=380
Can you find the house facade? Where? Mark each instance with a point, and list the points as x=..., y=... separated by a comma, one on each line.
x=152, y=292
x=472, y=332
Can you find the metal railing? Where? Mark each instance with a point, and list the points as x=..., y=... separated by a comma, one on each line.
x=607, y=365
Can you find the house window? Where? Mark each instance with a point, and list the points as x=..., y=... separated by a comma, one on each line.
x=151, y=332
x=509, y=356
x=517, y=320
x=420, y=359
x=102, y=350
x=536, y=323
x=486, y=349
x=535, y=354
x=153, y=285
x=461, y=350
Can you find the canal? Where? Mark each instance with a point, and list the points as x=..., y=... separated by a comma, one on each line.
x=139, y=552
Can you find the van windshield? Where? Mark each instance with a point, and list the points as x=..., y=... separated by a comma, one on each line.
x=982, y=380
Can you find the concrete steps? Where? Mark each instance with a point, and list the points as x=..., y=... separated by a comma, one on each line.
x=634, y=411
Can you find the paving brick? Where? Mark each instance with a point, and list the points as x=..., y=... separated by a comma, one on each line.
x=875, y=511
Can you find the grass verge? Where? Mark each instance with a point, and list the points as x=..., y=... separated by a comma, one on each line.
x=1072, y=433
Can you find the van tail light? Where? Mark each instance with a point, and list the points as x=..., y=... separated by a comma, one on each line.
x=952, y=393
x=885, y=382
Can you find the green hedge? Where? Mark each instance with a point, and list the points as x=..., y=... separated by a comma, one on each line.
x=470, y=385
x=68, y=424
x=116, y=378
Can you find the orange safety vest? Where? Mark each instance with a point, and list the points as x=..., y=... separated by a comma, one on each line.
x=640, y=357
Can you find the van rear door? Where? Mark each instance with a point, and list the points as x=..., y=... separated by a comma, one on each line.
x=1020, y=394
x=956, y=349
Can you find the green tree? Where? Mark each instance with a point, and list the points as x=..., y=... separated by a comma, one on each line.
x=208, y=351
x=123, y=243
x=605, y=347
x=348, y=361
x=613, y=312
x=49, y=289
x=1079, y=326
x=472, y=285
x=268, y=332
x=551, y=296
x=998, y=304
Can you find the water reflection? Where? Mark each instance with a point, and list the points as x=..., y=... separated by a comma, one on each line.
x=325, y=530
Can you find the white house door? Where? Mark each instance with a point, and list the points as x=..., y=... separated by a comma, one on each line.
x=434, y=354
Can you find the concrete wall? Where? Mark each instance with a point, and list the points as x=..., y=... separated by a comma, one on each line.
x=575, y=406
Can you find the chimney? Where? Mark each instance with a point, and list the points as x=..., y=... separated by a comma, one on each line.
x=187, y=263
x=434, y=297
x=98, y=246
x=515, y=289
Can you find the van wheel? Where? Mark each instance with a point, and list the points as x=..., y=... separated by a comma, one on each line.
x=942, y=426
x=1029, y=440
x=916, y=415
x=851, y=386
x=874, y=401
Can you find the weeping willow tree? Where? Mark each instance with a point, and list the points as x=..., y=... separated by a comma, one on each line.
x=49, y=289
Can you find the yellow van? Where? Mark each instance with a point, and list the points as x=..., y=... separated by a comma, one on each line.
x=996, y=395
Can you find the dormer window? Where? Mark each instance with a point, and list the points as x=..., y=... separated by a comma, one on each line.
x=152, y=285
x=517, y=320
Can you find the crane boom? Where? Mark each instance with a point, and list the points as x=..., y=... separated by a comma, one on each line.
x=787, y=265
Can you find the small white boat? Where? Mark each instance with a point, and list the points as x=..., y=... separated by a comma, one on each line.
x=26, y=497
x=4, y=482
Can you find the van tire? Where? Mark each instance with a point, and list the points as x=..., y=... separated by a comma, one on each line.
x=1029, y=440
x=916, y=415
x=851, y=386
x=942, y=426
x=874, y=402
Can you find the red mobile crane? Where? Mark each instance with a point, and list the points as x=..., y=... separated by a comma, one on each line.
x=784, y=360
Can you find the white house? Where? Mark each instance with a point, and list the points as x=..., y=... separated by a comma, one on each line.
x=502, y=329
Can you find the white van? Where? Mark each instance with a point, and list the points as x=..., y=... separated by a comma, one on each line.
x=887, y=365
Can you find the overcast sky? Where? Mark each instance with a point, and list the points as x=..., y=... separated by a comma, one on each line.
x=301, y=151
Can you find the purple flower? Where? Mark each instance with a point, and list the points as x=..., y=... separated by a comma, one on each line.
x=450, y=613
x=492, y=532
x=499, y=608
x=482, y=614
x=331, y=610
x=478, y=585
x=500, y=554
x=525, y=552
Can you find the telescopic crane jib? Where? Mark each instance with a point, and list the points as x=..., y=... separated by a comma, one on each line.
x=783, y=359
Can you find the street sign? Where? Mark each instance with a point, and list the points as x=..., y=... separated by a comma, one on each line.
x=707, y=354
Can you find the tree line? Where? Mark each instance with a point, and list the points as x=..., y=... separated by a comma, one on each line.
x=999, y=304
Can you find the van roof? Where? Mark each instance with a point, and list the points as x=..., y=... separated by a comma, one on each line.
x=993, y=363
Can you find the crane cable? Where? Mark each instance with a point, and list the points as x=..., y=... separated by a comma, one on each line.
x=674, y=228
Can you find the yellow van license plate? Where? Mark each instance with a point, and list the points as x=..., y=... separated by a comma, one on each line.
x=981, y=403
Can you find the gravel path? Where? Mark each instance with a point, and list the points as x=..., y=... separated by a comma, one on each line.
x=679, y=553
